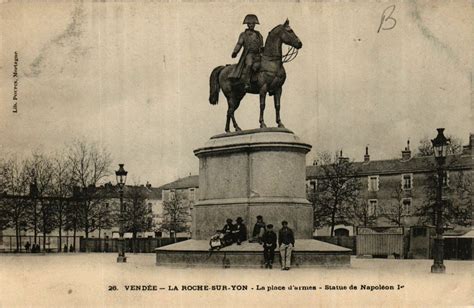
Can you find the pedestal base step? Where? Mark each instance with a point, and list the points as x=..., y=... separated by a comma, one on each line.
x=195, y=253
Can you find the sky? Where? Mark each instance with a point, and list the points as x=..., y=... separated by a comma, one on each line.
x=134, y=77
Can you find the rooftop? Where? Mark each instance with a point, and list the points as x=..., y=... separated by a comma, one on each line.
x=397, y=166
x=191, y=181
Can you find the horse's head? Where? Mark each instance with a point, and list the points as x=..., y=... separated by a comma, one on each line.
x=288, y=36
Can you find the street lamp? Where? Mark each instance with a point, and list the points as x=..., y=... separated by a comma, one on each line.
x=440, y=149
x=121, y=176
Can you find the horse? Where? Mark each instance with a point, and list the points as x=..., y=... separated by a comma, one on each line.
x=268, y=79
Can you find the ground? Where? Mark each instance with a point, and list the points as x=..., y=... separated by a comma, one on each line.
x=96, y=280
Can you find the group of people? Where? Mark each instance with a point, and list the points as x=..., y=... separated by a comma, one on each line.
x=231, y=233
x=34, y=248
x=262, y=234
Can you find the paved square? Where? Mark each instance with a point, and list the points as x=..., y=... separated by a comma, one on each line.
x=96, y=280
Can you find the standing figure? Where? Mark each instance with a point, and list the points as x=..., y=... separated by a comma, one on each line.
x=286, y=241
x=240, y=231
x=258, y=230
x=27, y=246
x=252, y=41
x=269, y=240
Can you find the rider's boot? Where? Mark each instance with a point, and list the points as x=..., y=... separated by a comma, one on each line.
x=246, y=78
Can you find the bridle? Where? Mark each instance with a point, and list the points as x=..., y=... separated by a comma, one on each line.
x=290, y=55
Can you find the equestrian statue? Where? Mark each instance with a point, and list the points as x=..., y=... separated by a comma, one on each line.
x=259, y=71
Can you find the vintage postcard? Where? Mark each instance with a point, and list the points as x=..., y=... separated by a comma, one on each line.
x=235, y=153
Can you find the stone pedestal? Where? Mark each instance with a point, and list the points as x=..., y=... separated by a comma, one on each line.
x=250, y=173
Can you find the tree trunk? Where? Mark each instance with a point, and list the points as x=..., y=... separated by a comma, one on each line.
x=86, y=226
x=333, y=218
x=43, y=220
x=134, y=241
x=35, y=222
x=17, y=235
x=74, y=237
x=60, y=226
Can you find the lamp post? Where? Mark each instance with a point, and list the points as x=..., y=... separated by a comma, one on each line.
x=121, y=176
x=440, y=149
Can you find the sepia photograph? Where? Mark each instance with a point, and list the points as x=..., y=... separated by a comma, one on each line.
x=199, y=153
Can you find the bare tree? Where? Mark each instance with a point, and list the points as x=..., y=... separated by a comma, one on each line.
x=457, y=200
x=73, y=217
x=62, y=190
x=14, y=200
x=463, y=189
x=338, y=191
x=175, y=214
x=90, y=164
x=138, y=214
x=394, y=212
x=362, y=215
x=425, y=148
x=40, y=171
x=104, y=217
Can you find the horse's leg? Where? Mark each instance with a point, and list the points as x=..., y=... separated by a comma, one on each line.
x=263, y=94
x=236, y=105
x=230, y=114
x=276, y=99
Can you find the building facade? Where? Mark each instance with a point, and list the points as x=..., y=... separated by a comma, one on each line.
x=184, y=191
x=397, y=191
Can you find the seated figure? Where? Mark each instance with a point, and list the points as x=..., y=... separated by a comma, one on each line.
x=258, y=230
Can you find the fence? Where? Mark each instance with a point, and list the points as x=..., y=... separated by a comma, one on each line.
x=143, y=245
x=344, y=241
x=8, y=243
x=459, y=248
x=380, y=241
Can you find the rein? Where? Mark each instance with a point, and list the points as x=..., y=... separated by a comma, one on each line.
x=288, y=57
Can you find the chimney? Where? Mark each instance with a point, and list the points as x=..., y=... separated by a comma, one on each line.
x=342, y=158
x=366, y=156
x=406, y=154
x=467, y=149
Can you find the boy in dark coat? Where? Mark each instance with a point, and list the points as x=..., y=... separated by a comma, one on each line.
x=240, y=231
x=269, y=241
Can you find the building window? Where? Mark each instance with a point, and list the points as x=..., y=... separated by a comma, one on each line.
x=172, y=194
x=372, y=210
x=407, y=181
x=373, y=183
x=192, y=194
x=406, y=206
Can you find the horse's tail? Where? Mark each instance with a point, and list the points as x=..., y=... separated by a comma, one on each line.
x=214, y=85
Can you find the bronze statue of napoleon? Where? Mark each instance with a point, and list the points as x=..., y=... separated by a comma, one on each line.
x=259, y=71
